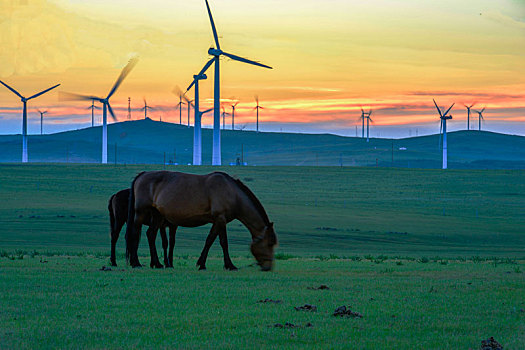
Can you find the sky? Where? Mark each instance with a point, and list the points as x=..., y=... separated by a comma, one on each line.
x=330, y=59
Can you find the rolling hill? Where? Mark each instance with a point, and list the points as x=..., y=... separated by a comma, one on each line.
x=152, y=142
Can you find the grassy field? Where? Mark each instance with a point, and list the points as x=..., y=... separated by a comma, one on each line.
x=431, y=259
x=152, y=142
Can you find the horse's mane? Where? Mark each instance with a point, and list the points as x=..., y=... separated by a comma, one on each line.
x=253, y=198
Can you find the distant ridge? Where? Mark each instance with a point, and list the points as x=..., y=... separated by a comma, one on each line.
x=150, y=142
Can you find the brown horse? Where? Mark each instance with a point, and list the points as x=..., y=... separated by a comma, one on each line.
x=194, y=200
x=118, y=216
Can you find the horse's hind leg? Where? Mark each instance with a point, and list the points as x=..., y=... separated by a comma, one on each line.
x=209, y=241
x=173, y=231
x=164, y=239
x=152, y=235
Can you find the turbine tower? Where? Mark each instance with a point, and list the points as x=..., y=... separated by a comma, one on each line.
x=216, y=52
x=233, y=114
x=24, y=115
x=197, y=135
x=129, y=108
x=480, y=118
x=145, y=108
x=444, y=117
x=257, y=107
x=42, y=121
x=105, y=103
x=468, y=114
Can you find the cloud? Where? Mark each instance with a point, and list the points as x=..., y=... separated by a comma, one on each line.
x=503, y=19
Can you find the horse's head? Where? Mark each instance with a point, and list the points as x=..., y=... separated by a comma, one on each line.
x=262, y=247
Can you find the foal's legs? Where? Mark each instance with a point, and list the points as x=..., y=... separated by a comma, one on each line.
x=115, y=231
x=209, y=241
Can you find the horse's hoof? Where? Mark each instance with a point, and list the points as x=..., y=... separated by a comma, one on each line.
x=156, y=266
x=138, y=266
x=113, y=264
x=231, y=268
x=201, y=267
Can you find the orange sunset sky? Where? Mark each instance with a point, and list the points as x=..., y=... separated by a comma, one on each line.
x=329, y=57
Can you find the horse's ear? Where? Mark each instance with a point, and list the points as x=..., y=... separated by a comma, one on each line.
x=270, y=225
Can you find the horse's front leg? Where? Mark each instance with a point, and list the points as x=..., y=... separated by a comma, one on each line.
x=152, y=235
x=173, y=231
x=209, y=241
x=223, y=239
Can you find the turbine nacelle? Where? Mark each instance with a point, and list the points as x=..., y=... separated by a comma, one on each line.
x=200, y=77
x=214, y=52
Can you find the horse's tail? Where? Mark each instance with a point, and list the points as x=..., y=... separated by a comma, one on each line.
x=131, y=236
x=111, y=215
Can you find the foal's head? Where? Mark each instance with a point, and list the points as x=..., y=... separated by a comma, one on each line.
x=262, y=247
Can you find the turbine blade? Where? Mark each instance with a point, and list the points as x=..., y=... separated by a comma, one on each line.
x=213, y=26
x=13, y=90
x=69, y=96
x=111, y=112
x=257, y=99
x=125, y=71
x=191, y=85
x=207, y=111
x=448, y=110
x=483, y=110
x=206, y=66
x=43, y=92
x=245, y=60
x=177, y=91
x=439, y=111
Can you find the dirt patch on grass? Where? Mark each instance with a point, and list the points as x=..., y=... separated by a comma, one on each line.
x=291, y=325
x=306, y=307
x=490, y=344
x=271, y=301
x=321, y=287
x=343, y=311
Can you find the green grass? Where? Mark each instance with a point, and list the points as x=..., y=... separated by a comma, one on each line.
x=148, y=141
x=432, y=259
x=316, y=210
x=67, y=302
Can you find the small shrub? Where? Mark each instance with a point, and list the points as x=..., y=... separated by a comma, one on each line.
x=444, y=262
x=424, y=260
x=355, y=258
x=517, y=269
x=33, y=253
x=322, y=257
x=4, y=254
x=283, y=256
x=399, y=263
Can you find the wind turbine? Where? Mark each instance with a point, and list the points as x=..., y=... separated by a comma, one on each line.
x=257, y=108
x=24, y=115
x=224, y=114
x=197, y=138
x=368, y=120
x=216, y=52
x=444, y=117
x=362, y=123
x=93, y=107
x=145, y=108
x=42, y=121
x=468, y=114
x=106, y=106
x=480, y=117
x=190, y=104
x=233, y=114
x=179, y=93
